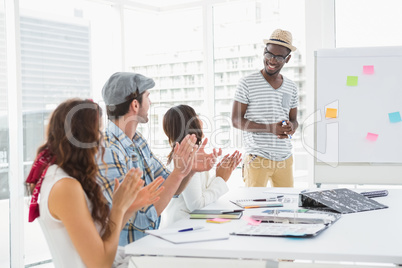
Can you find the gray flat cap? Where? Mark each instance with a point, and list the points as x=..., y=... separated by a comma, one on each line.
x=122, y=84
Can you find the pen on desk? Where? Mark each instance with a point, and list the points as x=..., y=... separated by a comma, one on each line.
x=284, y=124
x=231, y=211
x=252, y=207
x=268, y=199
x=191, y=229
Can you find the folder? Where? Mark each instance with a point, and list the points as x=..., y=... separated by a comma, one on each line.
x=338, y=200
x=297, y=216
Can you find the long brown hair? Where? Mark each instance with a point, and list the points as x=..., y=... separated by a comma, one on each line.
x=179, y=121
x=74, y=138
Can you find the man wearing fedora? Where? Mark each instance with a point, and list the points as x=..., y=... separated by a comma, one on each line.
x=127, y=100
x=265, y=109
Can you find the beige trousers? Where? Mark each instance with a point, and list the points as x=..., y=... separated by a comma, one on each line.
x=257, y=171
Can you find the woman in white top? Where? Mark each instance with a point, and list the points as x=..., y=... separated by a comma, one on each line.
x=80, y=228
x=203, y=188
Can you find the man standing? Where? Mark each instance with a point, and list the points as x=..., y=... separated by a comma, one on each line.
x=127, y=102
x=265, y=108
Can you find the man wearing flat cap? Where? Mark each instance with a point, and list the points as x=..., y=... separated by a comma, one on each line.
x=265, y=109
x=127, y=102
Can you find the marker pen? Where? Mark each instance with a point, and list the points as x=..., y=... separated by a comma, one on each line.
x=284, y=124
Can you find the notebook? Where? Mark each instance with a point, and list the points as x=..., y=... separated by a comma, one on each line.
x=281, y=229
x=214, y=213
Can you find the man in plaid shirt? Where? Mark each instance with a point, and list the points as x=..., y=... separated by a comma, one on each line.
x=127, y=102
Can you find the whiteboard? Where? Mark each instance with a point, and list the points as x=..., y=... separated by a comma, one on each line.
x=358, y=104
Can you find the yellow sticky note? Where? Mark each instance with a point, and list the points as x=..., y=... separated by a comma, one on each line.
x=352, y=81
x=331, y=113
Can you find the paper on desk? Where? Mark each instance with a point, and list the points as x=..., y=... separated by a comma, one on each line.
x=174, y=236
x=279, y=229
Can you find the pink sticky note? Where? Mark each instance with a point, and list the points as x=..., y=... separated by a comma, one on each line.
x=250, y=220
x=368, y=69
x=371, y=136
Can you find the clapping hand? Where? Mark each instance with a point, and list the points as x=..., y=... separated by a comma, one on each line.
x=204, y=161
x=147, y=196
x=226, y=166
x=126, y=192
x=183, y=154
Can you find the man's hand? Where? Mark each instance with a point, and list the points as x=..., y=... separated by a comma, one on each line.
x=204, y=161
x=282, y=131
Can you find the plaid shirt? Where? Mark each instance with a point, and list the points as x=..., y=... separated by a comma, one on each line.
x=122, y=154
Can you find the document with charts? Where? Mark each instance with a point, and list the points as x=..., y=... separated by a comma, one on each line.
x=281, y=229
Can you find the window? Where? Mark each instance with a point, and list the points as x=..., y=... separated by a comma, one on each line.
x=60, y=58
x=357, y=23
x=4, y=149
x=163, y=40
x=238, y=35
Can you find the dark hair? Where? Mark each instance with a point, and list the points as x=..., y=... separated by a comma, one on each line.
x=115, y=111
x=179, y=121
x=73, y=138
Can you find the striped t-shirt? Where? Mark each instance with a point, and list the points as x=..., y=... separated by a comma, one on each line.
x=266, y=105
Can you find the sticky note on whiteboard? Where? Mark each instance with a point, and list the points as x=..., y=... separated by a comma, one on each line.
x=331, y=113
x=351, y=81
x=368, y=69
x=371, y=136
x=394, y=117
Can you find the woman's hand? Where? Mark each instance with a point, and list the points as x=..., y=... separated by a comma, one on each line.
x=183, y=154
x=202, y=160
x=126, y=192
x=147, y=196
x=226, y=166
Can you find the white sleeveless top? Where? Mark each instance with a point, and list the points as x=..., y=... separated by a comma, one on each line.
x=61, y=247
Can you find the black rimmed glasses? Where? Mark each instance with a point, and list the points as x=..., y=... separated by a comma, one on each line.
x=268, y=55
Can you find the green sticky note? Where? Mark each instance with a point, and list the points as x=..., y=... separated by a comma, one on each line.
x=352, y=81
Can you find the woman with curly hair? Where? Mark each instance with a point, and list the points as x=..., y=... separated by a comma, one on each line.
x=80, y=228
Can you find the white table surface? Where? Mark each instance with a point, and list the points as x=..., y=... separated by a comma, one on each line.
x=371, y=236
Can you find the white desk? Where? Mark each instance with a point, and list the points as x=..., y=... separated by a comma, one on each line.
x=372, y=236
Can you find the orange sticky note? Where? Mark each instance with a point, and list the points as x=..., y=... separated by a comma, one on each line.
x=331, y=113
x=218, y=220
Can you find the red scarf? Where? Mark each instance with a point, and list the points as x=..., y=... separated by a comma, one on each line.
x=38, y=171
